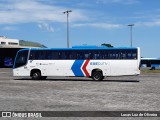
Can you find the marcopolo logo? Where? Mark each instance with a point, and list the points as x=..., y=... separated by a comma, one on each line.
x=98, y=63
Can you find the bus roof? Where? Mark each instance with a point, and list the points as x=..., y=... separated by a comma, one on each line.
x=86, y=48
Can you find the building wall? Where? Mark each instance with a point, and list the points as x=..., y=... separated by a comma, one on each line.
x=7, y=56
x=4, y=41
x=8, y=50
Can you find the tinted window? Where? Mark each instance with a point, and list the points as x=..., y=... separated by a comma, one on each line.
x=82, y=54
x=21, y=58
x=40, y=55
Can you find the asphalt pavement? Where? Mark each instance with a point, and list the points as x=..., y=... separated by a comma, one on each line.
x=126, y=93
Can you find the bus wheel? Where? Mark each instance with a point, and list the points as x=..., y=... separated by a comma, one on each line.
x=97, y=75
x=43, y=77
x=36, y=75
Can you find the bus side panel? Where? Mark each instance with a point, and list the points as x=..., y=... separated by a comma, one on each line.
x=102, y=65
x=21, y=71
x=70, y=67
x=60, y=68
x=52, y=67
x=124, y=67
x=73, y=68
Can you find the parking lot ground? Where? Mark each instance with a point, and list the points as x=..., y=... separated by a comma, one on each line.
x=127, y=93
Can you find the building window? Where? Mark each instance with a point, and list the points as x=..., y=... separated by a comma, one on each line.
x=12, y=43
x=3, y=43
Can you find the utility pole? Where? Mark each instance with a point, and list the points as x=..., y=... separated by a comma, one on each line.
x=67, y=12
x=131, y=25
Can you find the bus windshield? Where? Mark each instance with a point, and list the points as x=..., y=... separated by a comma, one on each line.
x=21, y=58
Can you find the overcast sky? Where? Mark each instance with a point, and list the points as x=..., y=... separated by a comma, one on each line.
x=92, y=22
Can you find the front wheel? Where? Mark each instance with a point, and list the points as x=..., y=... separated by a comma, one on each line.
x=36, y=75
x=97, y=76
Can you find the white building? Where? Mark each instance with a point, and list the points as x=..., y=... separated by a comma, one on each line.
x=6, y=42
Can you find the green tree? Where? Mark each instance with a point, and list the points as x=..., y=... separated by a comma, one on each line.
x=107, y=45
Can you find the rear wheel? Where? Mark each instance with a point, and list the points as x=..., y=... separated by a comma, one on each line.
x=36, y=75
x=97, y=75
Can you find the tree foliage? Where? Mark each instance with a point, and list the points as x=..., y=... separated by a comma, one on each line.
x=107, y=45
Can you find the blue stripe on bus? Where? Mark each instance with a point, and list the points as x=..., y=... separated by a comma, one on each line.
x=76, y=68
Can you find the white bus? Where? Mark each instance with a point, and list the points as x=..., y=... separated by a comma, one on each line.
x=94, y=62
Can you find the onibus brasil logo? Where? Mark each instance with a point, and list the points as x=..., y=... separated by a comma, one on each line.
x=22, y=114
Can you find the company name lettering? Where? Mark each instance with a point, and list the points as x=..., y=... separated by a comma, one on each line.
x=98, y=63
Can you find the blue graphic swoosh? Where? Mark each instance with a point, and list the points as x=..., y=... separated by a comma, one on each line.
x=76, y=68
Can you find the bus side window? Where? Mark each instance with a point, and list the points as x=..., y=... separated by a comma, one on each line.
x=106, y=54
x=101, y=54
x=42, y=55
x=134, y=54
x=112, y=55
x=71, y=55
x=63, y=55
x=49, y=55
x=33, y=55
x=79, y=55
x=129, y=55
x=96, y=56
x=87, y=56
x=59, y=55
x=55, y=55
x=123, y=55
